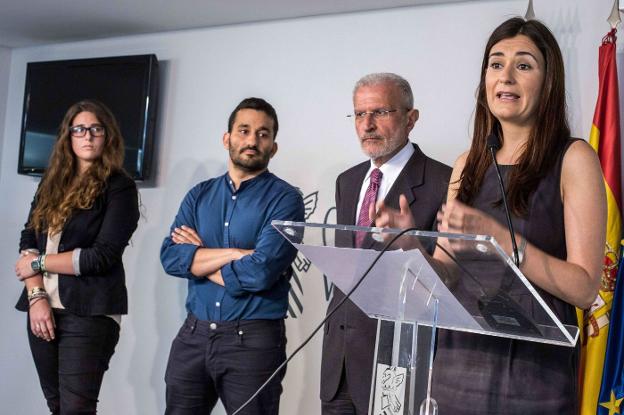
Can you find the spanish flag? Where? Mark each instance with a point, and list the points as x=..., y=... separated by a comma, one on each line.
x=605, y=139
x=612, y=389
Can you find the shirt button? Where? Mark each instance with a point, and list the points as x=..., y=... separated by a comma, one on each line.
x=227, y=223
x=213, y=326
x=233, y=197
x=218, y=304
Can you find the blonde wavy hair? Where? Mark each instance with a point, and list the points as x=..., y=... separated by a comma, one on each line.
x=63, y=189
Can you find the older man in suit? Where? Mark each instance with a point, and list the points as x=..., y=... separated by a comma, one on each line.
x=398, y=173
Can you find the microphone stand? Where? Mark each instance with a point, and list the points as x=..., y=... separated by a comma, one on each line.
x=493, y=144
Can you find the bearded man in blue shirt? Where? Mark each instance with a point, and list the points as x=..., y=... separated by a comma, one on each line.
x=238, y=271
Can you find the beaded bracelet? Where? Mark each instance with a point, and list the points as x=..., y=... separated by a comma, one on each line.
x=37, y=295
x=35, y=300
x=37, y=292
x=42, y=259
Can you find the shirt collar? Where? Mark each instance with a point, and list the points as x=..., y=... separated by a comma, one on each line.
x=394, y=166
x=246, y=183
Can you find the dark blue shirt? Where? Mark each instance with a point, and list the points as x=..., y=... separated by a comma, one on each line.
x=257, y=285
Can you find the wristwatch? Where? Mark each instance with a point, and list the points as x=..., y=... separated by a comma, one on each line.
x=35, y=264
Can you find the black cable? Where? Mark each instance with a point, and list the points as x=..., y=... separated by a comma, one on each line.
x=329, y=314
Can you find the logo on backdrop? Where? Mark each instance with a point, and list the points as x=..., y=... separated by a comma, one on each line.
x=301, y=265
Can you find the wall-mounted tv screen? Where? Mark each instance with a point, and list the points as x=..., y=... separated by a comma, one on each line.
x=128, y=85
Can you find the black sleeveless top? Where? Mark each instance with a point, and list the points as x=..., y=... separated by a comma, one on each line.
x=477, y=374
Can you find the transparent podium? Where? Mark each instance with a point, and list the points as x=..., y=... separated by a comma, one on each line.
x=471, y=285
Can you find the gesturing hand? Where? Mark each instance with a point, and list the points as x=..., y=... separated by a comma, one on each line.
x=456, y=217
x=387, y=217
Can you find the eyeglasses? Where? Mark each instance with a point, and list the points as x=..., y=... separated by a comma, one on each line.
x=376, y=114
x=81, y=130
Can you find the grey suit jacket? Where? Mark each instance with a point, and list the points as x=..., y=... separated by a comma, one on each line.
x=349, y=339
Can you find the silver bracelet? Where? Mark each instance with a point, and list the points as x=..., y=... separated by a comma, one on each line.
x=521, y=251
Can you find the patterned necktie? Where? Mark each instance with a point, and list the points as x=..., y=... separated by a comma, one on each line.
x=370, y=197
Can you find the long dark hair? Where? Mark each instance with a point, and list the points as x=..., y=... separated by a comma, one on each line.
x=548, y=135
x=62, y=189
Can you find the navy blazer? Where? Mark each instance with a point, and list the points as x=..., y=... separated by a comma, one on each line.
x=350, y=334
x=103, y=233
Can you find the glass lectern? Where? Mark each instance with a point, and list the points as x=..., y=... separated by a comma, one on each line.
x=471, y=285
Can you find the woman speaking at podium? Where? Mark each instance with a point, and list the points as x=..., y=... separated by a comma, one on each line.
x=556, y=199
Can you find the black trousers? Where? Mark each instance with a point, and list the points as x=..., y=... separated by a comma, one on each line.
x=341, y=403
x=71, y=367
x=228, y=361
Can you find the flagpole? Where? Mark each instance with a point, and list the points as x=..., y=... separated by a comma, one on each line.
x=530, y=13
x=614, y=18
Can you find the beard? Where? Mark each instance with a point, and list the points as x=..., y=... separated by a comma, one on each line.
x=380, y=146
x=258, y=162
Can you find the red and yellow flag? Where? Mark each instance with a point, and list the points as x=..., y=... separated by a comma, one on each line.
x=605, y=139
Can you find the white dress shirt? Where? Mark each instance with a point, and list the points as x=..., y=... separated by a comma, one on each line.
x=390, y=171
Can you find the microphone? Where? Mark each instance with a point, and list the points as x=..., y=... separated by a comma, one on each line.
x=500, y=311
x=493, y=145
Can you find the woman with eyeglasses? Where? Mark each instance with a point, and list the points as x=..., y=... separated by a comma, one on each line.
x=556, y=196
x=81, y=219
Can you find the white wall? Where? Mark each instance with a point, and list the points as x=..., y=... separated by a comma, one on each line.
x=306, y=68
x=5, y=66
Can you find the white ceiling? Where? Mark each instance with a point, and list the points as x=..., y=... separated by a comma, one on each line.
x=35, y=22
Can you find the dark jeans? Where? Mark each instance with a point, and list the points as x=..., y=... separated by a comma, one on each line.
x=227, y=360
x=72, y=366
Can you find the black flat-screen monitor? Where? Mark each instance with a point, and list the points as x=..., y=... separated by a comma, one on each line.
x=128, y=85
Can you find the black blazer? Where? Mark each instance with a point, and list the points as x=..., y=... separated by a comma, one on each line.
x=103, y=233
x=349, y=334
